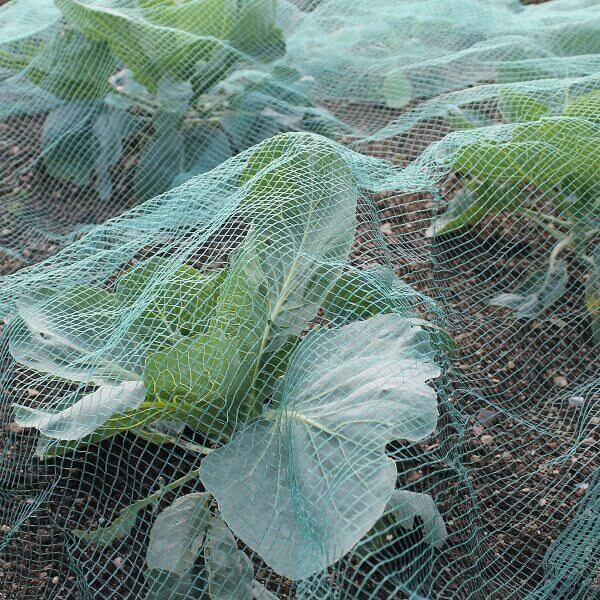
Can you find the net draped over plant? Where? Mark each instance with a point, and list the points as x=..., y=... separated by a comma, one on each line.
x=306, y=301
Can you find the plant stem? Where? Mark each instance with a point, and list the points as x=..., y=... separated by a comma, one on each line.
x=562, y=245
x=202, y=121
x=536, y=218
x=193, y=474
x=547, y=217
x=588, y=260
x=165, y=489
x=145, y=103
x=156, y=437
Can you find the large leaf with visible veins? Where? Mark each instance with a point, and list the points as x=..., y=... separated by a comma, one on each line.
x=303, y=484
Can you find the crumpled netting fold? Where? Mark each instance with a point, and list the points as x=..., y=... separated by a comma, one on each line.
x=431, y=151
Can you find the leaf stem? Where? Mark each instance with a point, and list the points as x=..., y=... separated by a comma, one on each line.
x=537, y=218
x=202, y=121
x=193, y=474
x=156, y=437
x=163, y=317
x=562, y=245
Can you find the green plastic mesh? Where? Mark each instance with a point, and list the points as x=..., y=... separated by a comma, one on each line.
x=301, y=299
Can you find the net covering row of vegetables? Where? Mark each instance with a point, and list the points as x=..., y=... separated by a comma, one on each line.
x=299, y=299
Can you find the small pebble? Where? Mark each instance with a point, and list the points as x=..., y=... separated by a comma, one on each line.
x=55, y=580
x=415, y=475
x=386, y=229
x=543, y=502
x=560, y=381
x=118, y=562
x=576, y=401
x=582, y=488
x=478, y=429
x=15, y=428
x=487, y=417
x=486, y=439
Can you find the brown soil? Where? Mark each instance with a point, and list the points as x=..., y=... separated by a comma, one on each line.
x=507, y=487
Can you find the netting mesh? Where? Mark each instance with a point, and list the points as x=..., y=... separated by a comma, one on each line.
x=301, y=299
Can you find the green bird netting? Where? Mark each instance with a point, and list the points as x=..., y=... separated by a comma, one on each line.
x=301, y=299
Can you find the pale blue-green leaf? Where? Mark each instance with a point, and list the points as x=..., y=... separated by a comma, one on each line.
x=238, y=81
x=27, y=18
x=74, y=334
x=111, y=128
x=86, y=414
x=161, y=161
x=362, y=293
x=537, y=294
x=405, y=506
x=245, y=127
x=164, y=585
x=397, y=89
x=174, y=95
x=68, y=145
x=230, y=571
x=178, y=533
x=305, y=259
x=118, y=529
x=20, y=96
x=260, y=592
x=128, y=89
x=321, y=455
x=205, y=149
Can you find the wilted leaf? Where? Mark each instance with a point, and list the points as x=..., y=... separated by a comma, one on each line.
x=118, y=529
x=405, y=506
x=474, y=202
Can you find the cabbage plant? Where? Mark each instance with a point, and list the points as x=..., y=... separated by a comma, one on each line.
x=295, y=368
x=183, y=84
x=555, y=155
